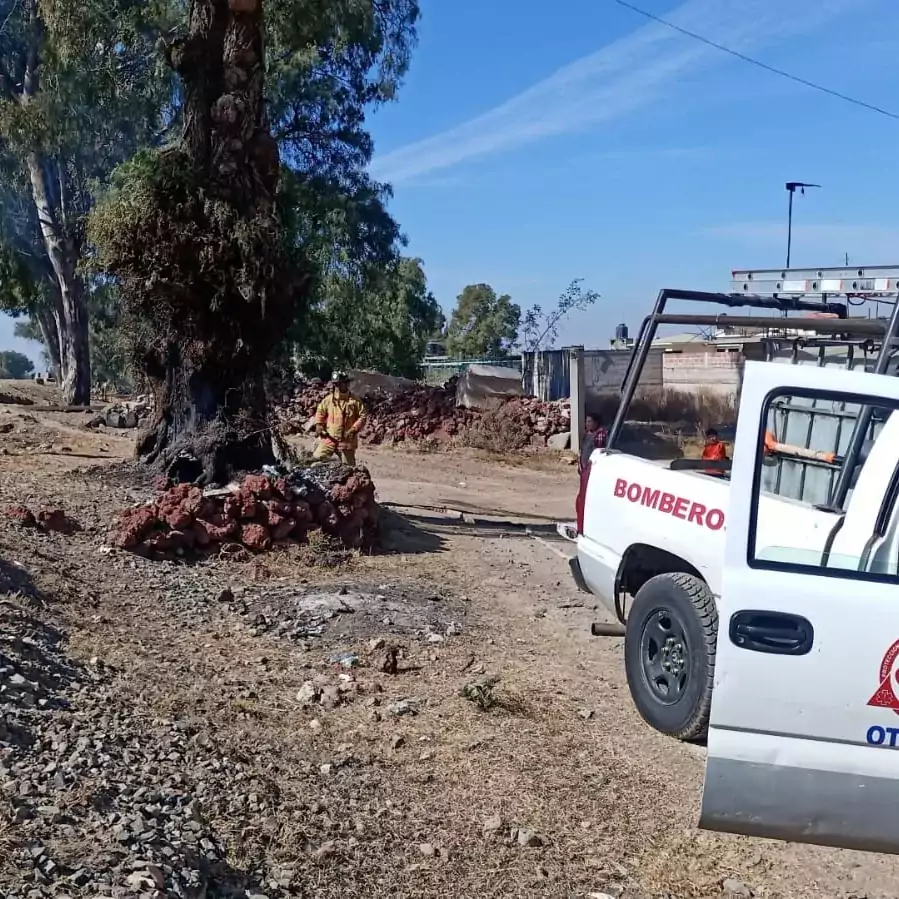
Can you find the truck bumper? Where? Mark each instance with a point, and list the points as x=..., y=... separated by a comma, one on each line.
x=578, y=575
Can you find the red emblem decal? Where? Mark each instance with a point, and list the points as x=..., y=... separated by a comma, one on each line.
x=887, y=695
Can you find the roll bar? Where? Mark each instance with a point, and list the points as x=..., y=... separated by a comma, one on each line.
x=884, y=330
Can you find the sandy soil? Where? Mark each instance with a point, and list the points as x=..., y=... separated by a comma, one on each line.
x=563, y=753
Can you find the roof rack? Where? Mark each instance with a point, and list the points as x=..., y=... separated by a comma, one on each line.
x=786, y=291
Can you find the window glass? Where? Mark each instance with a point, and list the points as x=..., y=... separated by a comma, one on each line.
x=805, y=439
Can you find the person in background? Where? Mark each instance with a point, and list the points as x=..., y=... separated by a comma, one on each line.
x=338, y=418
x=714, y=450
x=595, y=437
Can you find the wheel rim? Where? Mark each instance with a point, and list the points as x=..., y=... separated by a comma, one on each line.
x=665, y=657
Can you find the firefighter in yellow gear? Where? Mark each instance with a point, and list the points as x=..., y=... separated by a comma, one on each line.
x=338, y=418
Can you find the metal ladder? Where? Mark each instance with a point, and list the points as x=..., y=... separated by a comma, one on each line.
x=872, y=282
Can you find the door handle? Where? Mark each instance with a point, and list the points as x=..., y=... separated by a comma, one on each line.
x=776, y=632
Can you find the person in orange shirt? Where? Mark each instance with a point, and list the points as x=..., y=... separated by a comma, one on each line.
x=714, y=450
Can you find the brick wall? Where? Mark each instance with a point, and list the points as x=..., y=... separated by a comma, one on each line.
x=706, y=370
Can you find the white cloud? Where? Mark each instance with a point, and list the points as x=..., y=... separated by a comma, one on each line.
x=614, y=81
x=865, y=244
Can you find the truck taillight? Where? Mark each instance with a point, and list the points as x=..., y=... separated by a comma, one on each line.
x=581, y=500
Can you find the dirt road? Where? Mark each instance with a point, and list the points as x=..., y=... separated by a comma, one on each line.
x=184, y=685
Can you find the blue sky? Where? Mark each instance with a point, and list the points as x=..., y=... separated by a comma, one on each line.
x=534, y=143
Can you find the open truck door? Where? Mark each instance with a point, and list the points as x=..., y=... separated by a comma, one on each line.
x=805, y=706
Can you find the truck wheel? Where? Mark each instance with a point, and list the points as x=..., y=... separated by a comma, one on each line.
x=669, y=654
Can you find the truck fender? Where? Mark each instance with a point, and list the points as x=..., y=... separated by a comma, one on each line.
x=641, y=562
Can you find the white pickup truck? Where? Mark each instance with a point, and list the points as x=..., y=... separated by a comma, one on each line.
x=764, y=621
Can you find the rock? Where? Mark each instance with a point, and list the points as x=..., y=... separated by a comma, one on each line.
x=22, y=516
x=528, y=838
x=435, y=638
x=559, y=441
x=404, y=707
x=133, y=527
x=586, y=714
x=397, y=742
x=376, y=644
x=255, y=537
x=345, y=659
x=57, y=521
x=492, y=826
x=225, y=596
x=330, y=697
x=427, y=850
x=735, y=889
x=138, y=880
x=307, y=694
x=157, y=875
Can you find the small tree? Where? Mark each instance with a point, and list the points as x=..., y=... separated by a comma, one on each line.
x=540, y=329
x=79, y=92
x=483, y=324
x=15, y=365
x=380, y=322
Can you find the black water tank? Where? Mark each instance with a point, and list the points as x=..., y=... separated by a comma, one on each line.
x=621, y=332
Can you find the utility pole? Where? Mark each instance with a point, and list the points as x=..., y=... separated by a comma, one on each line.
x=791, y=189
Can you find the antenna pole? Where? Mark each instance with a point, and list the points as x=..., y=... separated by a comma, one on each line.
x=790, y=223
x=791, y=187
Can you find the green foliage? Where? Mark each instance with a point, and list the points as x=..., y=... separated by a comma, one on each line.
x=327, y=63
x=110, y=356
x=15, y=365
x=483, y=324
x=110, y=351
x=28, y=329
x=540, y=329
x=81, y=88
x=201, y=252
x=381, y=323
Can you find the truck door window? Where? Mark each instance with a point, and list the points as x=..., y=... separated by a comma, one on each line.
x=804, y=438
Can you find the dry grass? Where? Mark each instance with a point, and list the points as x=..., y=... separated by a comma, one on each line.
x=700, y=410
x=495, y=432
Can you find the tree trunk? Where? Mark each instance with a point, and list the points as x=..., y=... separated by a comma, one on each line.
x=204, y=336
x=50, y=335
x=208, y=422
x=74, y=347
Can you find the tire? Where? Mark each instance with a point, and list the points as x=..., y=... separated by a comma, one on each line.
x=669, y=654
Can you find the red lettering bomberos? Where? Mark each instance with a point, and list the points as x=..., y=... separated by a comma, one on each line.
x=678, y=506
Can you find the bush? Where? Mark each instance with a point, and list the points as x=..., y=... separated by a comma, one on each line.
x=496, y=432
x=700, y=410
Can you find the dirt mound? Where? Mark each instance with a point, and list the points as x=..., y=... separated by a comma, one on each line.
x=426, y=412
x=256, y=513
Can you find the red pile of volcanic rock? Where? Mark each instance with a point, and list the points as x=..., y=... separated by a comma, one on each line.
x=538, y=420
x=54, y=520
x=425, y=412
x=257, y=513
